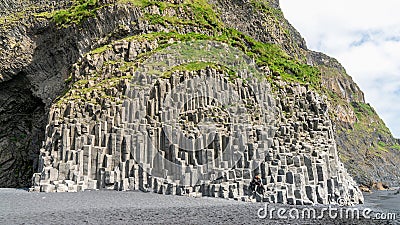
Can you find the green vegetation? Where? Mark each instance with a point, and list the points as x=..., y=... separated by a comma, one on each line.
x=264, y=7
x=100, y=88
x=361, y=109
x=368, y=120
x=396, y=146
x=80, y=10
x=382, y=148
x=381, y=144
x=204, y=15
x=101, y=49
x=265, y=54
x=280, y=63
x=200, y=14
x=45, y=15
x=196, y=66
x=378, y=151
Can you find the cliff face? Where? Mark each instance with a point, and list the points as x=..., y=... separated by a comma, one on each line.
x=42, y=44
x=179, y=125
x=365, y=144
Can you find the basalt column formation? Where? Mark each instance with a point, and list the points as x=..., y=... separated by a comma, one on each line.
x=170, y=127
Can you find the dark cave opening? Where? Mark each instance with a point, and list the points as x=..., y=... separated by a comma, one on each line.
x=22, y=128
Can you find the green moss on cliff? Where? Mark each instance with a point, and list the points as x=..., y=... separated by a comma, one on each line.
x=196, y=13
x=197, y=66
x=362, y=109
x=369, y=122
x=80, y=10
x=83, y=93
x=282, y=64
x=264, y=7
x=265, y=54
x=200, y=13
x=100, y=49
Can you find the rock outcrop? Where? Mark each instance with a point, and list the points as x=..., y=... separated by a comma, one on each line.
x=71, y=63
x=202, y=132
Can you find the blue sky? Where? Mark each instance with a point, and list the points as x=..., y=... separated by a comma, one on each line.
x=365, y=37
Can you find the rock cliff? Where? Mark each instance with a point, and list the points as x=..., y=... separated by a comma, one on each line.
x=68, y=80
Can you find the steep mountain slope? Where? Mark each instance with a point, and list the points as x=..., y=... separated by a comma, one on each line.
x=40, y=44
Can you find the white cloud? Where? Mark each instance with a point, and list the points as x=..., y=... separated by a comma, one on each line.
x=365, y=37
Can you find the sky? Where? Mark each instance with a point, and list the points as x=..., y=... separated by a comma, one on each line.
x=364, y=36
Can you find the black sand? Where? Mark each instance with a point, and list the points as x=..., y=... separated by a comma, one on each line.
x=110, y=207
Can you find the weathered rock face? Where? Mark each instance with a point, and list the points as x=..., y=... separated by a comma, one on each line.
x=263, y=24
x=39, y=56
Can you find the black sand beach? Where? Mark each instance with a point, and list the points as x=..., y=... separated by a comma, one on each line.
x=110, y=207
